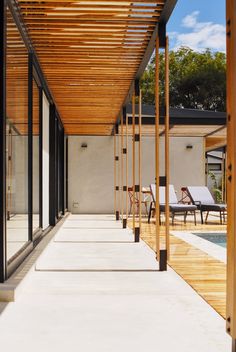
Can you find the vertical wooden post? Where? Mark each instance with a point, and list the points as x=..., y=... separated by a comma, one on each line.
x=127, y=170
x=114, y=172
x=225, y=175
x=223, y=187
x=124, y=179
x=116, y=179
x=167, y=154
x=119, y=169
x=157, y=149
x=133, y=159
x=122, y=169
x=231, y=170
x=140, y=160
x=206, y=168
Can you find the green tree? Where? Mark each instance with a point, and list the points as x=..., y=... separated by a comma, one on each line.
x=197, y=80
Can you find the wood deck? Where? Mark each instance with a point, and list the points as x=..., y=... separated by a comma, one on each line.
x=205, y=274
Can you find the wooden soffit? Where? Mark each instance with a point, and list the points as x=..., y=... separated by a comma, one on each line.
x=90, y=52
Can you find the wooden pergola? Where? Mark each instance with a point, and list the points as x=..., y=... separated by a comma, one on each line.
x=91, y=52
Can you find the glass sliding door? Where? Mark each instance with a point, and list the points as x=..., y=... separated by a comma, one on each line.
x=16, y=141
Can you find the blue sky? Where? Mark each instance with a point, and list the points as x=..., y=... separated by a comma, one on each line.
x=198, y=24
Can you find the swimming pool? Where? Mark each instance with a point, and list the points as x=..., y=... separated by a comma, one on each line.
x=214, y=237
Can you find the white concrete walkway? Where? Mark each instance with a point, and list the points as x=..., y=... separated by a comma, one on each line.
x=94, y=290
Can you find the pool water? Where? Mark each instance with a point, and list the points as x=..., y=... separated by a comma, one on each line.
x=214, y=237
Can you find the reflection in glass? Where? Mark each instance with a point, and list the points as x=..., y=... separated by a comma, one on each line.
x=36, y=150
x=16, y=140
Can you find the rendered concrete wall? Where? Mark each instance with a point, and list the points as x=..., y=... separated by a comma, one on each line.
x=35, y=174
x=19, y=175
x=90, y=170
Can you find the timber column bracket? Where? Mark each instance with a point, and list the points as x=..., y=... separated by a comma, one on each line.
x=162, y=35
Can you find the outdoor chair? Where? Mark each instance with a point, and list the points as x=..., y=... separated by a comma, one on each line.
x=174, y=206
x=202, y=198
x=134, y=201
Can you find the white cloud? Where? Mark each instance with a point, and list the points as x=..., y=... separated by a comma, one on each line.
x=190, y=21
x=202, y=35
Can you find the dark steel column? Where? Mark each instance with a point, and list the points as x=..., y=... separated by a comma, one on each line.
x=52, y=166
x=30, y=147
x=40, y=157
x=56, y=168
x=67, y=172
x=3, y=259
x=63, y=170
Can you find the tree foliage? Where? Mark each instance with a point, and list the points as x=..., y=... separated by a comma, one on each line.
x=197, y=80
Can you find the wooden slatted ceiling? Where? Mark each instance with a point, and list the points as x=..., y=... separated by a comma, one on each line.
x=90, y=52
x=16, y=78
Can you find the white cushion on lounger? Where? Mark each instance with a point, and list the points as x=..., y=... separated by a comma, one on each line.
x=201, y=194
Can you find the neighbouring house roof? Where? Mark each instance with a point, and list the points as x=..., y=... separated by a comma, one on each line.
x=180, y=116
x=183, y=123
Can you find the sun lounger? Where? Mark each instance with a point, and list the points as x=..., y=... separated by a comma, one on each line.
x=174, y=206
x=202, y=198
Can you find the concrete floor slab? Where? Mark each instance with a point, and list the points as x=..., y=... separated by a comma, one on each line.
x=97, y=256
x=108, y=311
x=96, y=235
x=98, y=217
x=92, y=224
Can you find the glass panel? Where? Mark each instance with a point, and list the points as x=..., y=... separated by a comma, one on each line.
x=17, y=140
x=36, y=151
x=60, y=169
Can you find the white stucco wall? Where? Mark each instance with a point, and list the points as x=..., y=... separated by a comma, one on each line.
x=91, y=170
x=90, y=173
x=19, y=175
